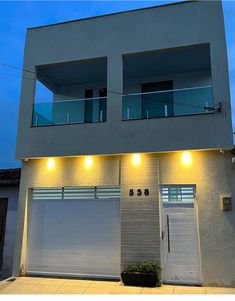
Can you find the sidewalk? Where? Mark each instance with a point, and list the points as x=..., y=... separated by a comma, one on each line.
x=32, y=285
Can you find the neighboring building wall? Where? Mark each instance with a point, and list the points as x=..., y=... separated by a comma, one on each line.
x=11, y=193
x=211, y=171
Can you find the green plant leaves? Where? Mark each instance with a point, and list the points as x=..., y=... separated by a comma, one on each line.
x=144, y=267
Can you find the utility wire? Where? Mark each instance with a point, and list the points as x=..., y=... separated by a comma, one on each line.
x=59, y=79
x=82, y=85
x=18, y=68
x=16, y=76
x=146, y=97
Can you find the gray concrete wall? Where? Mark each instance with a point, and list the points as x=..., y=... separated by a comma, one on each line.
x=11, y=193
x=184, y=24
x=211, y=172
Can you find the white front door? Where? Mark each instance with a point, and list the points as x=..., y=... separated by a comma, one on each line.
x=181, y=262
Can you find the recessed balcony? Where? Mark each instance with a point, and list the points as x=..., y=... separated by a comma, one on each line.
x=167, y=83
x=75, y=92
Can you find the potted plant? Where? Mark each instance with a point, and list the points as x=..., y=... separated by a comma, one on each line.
x=147, y=273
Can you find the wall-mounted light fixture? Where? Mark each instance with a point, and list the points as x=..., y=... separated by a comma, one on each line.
x=186, y=158
x=88, y=161
x=50, y=163
x=136, y=159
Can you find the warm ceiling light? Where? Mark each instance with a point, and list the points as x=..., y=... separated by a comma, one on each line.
x=88, y=161
x=50, y=163
x=186, y=158
x=136, y=159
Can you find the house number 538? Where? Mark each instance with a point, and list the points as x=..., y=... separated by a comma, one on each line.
x=139, y=192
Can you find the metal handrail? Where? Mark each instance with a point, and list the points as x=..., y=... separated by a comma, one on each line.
x=165, y=91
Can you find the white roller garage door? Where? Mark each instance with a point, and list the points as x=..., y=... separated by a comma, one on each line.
x=74, y=231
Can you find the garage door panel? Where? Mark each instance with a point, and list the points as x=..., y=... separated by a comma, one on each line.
x=80, y=237
x=66, y=262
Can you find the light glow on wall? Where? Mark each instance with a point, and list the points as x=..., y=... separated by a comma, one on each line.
x=88, y=161
x=50, y=163
x=186, y=158
x=136, y=159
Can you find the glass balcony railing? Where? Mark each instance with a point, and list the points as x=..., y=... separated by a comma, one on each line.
x=167, y=103
x=87, y=110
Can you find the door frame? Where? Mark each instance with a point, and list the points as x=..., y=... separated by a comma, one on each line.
x=162, y=247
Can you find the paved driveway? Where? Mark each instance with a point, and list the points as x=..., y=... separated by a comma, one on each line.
x=32, y=285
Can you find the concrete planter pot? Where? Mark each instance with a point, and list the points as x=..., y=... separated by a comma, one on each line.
x=140, y=279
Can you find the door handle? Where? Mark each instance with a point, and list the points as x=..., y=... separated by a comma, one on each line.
x=168, y=233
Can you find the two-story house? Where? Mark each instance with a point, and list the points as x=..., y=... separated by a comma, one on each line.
x=130, y=159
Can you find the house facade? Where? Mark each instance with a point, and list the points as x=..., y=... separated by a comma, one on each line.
x=9, y=191
x=130, y=159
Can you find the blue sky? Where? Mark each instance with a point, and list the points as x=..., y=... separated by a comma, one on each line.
x=16, y=17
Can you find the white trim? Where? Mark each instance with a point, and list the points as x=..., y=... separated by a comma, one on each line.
x=198, y=239
x=162, y=253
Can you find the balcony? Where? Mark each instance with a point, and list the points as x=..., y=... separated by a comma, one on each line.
x=168, y=103
x=89, y=110
x=76, y=92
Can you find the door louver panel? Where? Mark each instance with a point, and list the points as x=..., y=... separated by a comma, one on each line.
x=178, y=193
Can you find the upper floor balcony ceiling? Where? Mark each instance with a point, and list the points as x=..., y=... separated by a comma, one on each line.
x=136, y=65
x=73, y=73
x=167, y=61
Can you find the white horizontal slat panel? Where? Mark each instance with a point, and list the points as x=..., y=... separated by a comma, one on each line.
x=108, y=192
x=182, y=262
x=44, y=193
x=74, y=237
x=79, y=193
